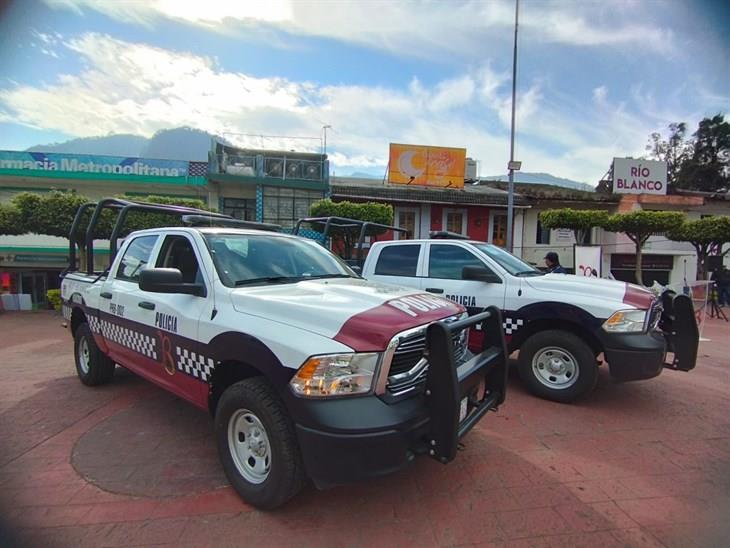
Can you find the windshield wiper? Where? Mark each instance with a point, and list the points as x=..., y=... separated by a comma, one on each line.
x=322, y=276
x=529, y=273
x=269, y=280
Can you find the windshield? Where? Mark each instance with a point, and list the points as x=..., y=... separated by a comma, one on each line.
x=513, y=265
x=242, y=259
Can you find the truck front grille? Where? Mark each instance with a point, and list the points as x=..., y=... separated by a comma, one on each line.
x=408, y=367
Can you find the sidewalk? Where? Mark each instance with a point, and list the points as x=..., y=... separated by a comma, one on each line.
x=640, y=464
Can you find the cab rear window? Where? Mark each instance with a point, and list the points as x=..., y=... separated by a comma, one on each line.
x=398, y=260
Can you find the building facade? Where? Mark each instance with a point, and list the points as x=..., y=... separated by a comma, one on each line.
x=270, y=186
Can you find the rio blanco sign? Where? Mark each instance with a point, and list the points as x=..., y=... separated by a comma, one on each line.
x=639, y=176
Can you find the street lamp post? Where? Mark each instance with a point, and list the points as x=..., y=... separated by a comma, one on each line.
x=512, y=164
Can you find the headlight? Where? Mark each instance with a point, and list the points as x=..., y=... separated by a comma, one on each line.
x=625, y=321
x=336, y=375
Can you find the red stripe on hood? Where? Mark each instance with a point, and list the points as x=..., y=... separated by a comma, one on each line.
x=373, y=329
x=640, y=298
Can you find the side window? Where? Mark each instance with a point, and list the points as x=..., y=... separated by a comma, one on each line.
x=398, y=260
x=447, y=261
x=177, y=252
x=136, y=257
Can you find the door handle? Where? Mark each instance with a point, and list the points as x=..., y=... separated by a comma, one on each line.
x=105, y=295
x=434, y=290
x=146, y=305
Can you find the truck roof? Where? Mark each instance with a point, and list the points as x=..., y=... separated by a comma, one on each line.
x=431, y=240
x=211, y=230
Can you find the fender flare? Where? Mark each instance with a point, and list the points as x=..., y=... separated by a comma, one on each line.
x=233, y=346
x=554, y=311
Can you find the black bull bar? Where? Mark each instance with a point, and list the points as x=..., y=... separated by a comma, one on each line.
x=679, y=325
x=480, y=380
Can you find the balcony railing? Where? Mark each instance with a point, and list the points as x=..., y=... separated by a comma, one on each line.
x=279, y=167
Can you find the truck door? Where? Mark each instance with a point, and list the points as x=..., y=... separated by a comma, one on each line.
x=443, y=276
x=117, y=322
x=169, y=322
x=398, y=264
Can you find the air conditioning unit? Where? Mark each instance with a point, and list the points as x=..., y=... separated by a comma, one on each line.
x=293, y=170
x=470, y=169
x=313, y=172
x=274, y=168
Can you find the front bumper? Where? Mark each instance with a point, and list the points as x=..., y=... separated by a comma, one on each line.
x=634, y=356
x=356, y=438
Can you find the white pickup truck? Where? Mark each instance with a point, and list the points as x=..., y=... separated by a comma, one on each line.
x=560, y=323
x=308, y=369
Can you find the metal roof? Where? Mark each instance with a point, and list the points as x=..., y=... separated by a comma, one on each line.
x=374, y=189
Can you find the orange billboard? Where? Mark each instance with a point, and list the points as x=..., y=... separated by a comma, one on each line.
x=426, y=166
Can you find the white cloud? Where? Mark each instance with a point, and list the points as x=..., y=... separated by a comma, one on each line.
x=135, y=88
x=423, y=29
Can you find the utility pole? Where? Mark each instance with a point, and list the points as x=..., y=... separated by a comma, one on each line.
x=324, y=130
x=512, y=164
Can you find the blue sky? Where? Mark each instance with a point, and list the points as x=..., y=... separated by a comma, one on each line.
x=595, y=77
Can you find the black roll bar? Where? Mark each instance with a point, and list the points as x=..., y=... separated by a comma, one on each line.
x=72, y=235
x=343, y=222
x=124, y=206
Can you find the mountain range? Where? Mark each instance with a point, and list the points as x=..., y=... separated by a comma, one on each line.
x=186, y=143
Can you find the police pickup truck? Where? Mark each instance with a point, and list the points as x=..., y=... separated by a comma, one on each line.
x=308, y=369
x=560, y=323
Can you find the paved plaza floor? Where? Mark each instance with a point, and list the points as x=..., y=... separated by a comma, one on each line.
x=127, y=464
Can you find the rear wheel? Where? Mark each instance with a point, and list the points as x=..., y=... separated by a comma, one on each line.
x=257, y=444
x=92, y=366
x=558, y=366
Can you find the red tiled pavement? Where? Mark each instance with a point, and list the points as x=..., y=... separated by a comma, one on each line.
x=642, y=464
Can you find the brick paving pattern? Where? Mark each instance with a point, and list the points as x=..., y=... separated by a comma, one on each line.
x=642, y=464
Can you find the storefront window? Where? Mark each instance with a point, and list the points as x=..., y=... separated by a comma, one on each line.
x=240, y=208
x=454, y=222
x=283, y=206
x=407, y=220
x=543, y=234
x=499, y=230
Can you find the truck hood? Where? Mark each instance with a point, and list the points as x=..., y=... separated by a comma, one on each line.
x=597, y=288
x=360, y=314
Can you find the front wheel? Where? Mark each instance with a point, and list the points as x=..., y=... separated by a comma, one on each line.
x=257, y=444
x=92, y=365
x=558, y=366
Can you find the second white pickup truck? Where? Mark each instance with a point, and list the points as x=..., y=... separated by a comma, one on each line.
x=560, y=323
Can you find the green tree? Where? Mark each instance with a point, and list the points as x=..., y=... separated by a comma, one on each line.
x=580, y=221
x=675, y=150
x=708, y=168
x=370, y=211
x=11, y=222
x=53, y=214
x=640, y=225
x=707, y=236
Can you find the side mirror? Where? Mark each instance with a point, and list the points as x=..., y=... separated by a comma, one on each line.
x=167, y=280
x=356, y=269
x=480, y=274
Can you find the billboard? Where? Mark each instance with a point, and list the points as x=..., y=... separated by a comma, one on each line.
x=639, y=176
x=426, y=166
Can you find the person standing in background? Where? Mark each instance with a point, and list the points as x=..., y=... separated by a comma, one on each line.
x=552, y=261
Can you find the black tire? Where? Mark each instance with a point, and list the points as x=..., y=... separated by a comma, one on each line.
x=285, y=476
x=576, y=370
x=92, y=366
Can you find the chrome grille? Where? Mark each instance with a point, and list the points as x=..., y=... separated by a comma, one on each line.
x=655, y=315
x=408, y=366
